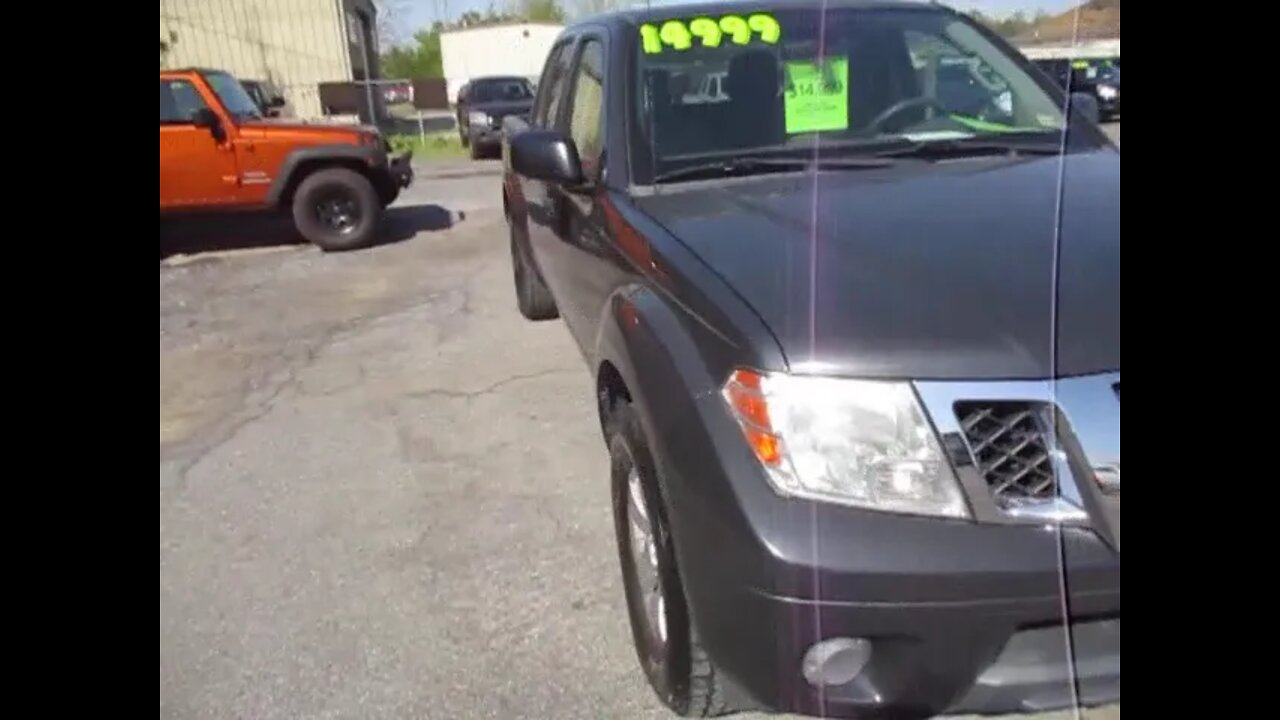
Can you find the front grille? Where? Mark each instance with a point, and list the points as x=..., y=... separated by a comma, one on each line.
x=1009, y=445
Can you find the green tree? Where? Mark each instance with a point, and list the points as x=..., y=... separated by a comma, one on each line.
x=548, y=11
x=421, y=59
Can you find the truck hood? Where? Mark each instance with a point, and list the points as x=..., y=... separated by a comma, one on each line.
x=942, y=271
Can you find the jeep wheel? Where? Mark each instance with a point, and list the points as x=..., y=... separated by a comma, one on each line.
x=666, y=641
x=337, y=209
x=532, y=296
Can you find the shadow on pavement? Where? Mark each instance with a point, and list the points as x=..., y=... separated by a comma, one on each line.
x=192, y=235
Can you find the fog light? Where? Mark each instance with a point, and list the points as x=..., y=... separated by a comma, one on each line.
x=836, y=661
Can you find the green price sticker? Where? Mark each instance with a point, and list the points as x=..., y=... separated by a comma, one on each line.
x=817, y=97
x=679, y=35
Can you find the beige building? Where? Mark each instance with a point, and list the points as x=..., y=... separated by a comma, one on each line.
x=293, y=44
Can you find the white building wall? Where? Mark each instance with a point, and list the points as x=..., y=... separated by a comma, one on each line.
x=519, y=49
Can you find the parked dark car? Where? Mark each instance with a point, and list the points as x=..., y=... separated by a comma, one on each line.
x=855, y=420
x=482, y=105
x=1099, y=78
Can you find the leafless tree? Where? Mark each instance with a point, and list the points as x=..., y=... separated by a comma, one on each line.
x=587, y=8
x=391, y=15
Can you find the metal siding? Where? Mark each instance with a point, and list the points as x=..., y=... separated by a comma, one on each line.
x=296, y=44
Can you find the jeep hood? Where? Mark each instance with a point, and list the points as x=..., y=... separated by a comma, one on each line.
x=303, y=125
x=941, y=271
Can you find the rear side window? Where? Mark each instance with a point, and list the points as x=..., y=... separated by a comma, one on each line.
x=586, y=118
x=179, y=101
x=553, y=83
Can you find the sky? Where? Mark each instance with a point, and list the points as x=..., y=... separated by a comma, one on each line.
x=421, y=13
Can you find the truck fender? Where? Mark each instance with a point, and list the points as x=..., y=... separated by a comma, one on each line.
x=677, y=398
x=287, y=177
x=642, y=338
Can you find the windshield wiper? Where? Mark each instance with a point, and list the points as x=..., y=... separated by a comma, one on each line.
x=967, y=147
x=731, y=167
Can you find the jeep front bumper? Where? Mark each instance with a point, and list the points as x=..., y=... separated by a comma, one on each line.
x=401, y=168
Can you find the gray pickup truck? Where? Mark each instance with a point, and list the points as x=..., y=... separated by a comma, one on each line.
x=854, y=335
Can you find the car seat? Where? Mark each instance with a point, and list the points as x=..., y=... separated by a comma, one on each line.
x=881, y=75
x=754, y=110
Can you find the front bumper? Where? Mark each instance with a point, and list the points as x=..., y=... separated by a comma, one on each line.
x=961, y=616
x=400, y=168
x=1108, y=105
x=484, y=137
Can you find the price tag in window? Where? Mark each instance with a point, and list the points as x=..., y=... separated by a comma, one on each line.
x=817, y=96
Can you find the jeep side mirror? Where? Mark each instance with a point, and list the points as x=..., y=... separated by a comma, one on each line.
x=206, y=118
x=1085, y=104
x=546, y=155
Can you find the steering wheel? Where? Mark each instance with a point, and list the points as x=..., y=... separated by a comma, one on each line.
x=903, y=105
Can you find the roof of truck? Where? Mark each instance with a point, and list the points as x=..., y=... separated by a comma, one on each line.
x=645, y=14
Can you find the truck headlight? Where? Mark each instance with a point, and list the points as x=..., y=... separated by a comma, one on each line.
x=853, y=442
x=478, y=118
x=1106, y=92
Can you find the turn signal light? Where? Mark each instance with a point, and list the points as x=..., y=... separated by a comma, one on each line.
x=746, y=398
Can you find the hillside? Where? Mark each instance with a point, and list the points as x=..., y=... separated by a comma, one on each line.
x=1099, y=20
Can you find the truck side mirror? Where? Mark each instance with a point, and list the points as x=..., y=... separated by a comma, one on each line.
x=206, y=118
x=1085, y=104
x=546, y=155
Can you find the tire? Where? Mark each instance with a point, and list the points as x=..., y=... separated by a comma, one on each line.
x=477, y=152
x=337, y=209
x=674, y=662
x=532, y=296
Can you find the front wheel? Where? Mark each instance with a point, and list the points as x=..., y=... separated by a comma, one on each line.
x=532, y=295
x=666, y=640
x=337, y=209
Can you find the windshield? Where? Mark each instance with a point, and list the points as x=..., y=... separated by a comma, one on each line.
x=848, y=77
x=233, y=95
x=499, y=90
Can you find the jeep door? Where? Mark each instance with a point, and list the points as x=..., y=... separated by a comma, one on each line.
x=196, y=169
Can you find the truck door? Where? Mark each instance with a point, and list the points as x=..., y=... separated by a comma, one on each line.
x=544, y=202
x=196, y=168
x=583, y=248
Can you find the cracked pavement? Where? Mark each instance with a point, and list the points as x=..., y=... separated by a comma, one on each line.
x=383, y=493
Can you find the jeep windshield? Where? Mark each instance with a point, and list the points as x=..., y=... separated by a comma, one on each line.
x=845, y=80
x=233, y=96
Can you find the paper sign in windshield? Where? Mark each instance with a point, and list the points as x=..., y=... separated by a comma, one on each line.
x=817, y=96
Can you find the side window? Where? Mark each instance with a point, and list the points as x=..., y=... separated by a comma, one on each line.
x=553, y=84
x=179, y=101
x=586, y=119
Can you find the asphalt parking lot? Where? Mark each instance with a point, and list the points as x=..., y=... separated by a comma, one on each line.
x=382, y=492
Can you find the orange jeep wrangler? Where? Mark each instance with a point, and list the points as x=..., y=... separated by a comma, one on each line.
x=218, y=153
